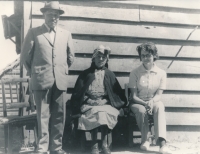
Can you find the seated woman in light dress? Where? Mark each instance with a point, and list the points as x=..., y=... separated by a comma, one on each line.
x=147, y=83
x=98, y=97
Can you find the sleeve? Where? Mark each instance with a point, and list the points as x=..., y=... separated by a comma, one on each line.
x=132, y=80
x=27, y=51
x=76, y=97
x=120, y=92
x=163, y=81
x=70, y=51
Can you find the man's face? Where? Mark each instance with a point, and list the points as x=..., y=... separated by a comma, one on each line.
x=51, y=18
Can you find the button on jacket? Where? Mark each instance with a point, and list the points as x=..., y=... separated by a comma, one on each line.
x=47, y=61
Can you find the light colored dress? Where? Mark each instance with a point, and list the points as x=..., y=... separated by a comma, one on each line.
x=147, y=83
x=95, y=116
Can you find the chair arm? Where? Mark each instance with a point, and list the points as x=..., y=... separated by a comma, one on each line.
x=17, y=105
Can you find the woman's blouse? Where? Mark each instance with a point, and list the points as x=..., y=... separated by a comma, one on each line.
x=97, y=89
x=147, y=82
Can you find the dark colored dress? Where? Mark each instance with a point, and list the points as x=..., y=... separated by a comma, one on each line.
x=91, y=85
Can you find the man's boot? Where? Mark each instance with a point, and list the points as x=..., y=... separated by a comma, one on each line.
x=105, y=147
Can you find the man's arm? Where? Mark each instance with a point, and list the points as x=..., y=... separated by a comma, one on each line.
x=27, y=51
x=70, y=51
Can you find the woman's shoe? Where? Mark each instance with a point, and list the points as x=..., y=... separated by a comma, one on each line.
x=165, y=150
x=95, y=149
x=106, y=150
x=145, y=146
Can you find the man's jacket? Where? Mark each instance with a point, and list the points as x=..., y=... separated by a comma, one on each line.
x=47, y=61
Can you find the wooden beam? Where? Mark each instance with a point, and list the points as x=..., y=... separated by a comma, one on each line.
x=128, y=64
x=129, y=39
x=17, y=105
x=129, y=49
x=94, y=10
x=18, y=10
x=169, y=17
x=26, y=25
x=85, y=27
x=98, y=12
x=182, y=119
x=168, y=6
x=177, y=84
x=14, y=80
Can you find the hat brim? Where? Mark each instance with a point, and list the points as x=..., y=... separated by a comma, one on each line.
x=45, y=9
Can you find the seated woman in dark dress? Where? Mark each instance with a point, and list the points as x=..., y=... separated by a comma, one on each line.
x=98, y=97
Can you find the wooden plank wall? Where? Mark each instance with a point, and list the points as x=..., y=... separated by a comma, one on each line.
x=123, y=25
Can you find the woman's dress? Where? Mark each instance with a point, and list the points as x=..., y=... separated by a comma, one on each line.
x=96, y=115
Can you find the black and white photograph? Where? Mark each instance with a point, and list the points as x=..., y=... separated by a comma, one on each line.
x=100, y=77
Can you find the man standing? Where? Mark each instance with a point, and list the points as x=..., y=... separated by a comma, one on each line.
x=47, y=53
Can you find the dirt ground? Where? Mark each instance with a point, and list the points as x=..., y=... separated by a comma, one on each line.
x=176, y=148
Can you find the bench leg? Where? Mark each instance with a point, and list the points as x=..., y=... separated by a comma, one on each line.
x=6, y=138
x=83, y=140
x=110, y=139
x=130, y=134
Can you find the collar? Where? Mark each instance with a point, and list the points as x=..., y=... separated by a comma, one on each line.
x=48, y=28
x=153, y=69
x=93, y=67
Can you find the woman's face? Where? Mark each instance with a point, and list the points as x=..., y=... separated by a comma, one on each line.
x=100, y=60
x=146, y=57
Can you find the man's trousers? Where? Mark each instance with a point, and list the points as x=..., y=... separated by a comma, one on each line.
x=50, y=117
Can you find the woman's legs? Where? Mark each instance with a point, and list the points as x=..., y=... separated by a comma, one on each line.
x=104, y=134
x=94, y=149
x=142, y=120
x=159, y=121
x=160, y=126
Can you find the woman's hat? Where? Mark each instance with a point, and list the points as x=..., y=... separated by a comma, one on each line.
x=54, y=5
x=101, y=49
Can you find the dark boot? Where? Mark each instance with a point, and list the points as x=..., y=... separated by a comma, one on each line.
x=105, y=146
x=94, y=148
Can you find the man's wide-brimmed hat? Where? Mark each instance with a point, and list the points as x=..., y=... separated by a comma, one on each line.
x=53, y=5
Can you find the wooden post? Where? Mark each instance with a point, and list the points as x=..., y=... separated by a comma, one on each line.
x=18, y=10
x=26, y=24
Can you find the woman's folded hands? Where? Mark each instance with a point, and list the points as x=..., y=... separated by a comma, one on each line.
x=149, y=106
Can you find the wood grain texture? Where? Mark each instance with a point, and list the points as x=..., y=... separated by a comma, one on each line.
x=182, y=119
x=178, y=84
x=127, y=65
x=121, y=48
x=169, y=17
x=123, y=25
x=91, y=12
x=181, y=100
x=169, y=100
x=86, y=27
